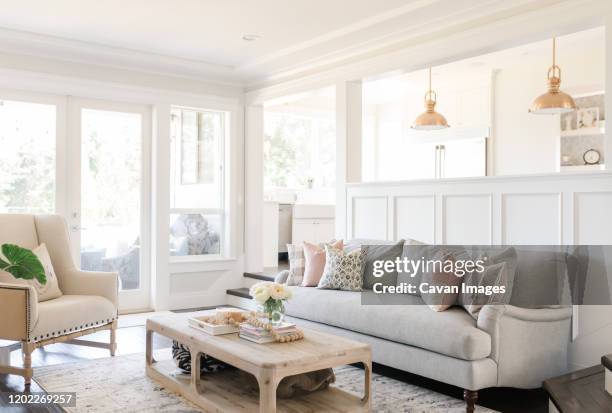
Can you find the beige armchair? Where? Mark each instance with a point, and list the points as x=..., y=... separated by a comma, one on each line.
x=88, y=302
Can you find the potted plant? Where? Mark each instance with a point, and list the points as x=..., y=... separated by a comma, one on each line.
x=22, y=263
x=270, y=297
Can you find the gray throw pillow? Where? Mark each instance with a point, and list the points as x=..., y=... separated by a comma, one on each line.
x=493, y=275
x=380, y=253
x=540, y=276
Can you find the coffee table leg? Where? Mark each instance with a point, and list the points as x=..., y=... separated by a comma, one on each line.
x=367, y=385
x=267, y=391
x=195, y=370
x=149, y=347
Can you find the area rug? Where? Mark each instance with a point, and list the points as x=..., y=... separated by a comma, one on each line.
x=119, y=384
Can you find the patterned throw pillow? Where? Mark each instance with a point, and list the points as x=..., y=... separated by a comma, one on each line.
x=296, y=264
x=342, y=271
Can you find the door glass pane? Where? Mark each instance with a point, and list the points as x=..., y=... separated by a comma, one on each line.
x=27, y=157
x=111, y=168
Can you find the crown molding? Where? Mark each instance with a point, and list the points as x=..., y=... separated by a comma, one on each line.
x=76, y=51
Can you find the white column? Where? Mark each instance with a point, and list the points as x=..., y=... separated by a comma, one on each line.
x=608, y=94
x=160, y=214
x=254, y=193
x=348, y=146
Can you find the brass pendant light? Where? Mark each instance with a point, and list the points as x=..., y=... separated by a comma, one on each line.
x=430, y=119
x=554, y=101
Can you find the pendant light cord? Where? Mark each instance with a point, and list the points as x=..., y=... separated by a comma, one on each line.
x=430, y=80
x=554, y=51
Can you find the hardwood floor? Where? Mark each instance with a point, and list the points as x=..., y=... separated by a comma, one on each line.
x=132, y=340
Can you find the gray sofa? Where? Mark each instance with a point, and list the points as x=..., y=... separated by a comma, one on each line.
x=507, y=346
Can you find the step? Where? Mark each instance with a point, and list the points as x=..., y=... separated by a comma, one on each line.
x=268, y=274
x=261, y=276
x=239, y=292
x=239, y=297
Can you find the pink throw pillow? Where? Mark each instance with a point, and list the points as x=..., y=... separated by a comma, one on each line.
x=314, y=258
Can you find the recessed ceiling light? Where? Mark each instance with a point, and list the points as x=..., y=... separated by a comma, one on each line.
x=250, y=37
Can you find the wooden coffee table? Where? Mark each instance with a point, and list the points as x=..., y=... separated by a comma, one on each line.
x=269, y=363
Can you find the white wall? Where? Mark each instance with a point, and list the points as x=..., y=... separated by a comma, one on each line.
x=524, y=143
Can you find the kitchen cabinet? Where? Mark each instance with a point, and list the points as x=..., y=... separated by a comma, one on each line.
x=313, y=223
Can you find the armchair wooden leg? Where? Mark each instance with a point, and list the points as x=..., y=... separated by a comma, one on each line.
x=28, y=372
x=470, y=397
x=113, y=338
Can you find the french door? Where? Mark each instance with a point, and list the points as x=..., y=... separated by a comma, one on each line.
x=108, y=179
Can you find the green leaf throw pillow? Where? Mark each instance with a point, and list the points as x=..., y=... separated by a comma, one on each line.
x=22, y=263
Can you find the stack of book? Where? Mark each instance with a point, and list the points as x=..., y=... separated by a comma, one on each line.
x=261, y=335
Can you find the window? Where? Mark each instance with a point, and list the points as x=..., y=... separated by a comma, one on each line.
x=27, y=157
x=299, y=151
x=197, y=214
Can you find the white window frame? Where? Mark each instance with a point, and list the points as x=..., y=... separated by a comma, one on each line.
x=227, y=249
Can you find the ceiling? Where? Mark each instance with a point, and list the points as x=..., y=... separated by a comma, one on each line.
x=203, y=38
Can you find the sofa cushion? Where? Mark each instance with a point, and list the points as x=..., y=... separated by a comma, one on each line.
x=452, y=332
x=70, y=313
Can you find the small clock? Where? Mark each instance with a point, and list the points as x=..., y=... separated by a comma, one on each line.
x=591, y=157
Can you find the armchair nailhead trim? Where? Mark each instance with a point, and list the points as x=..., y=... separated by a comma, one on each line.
x=28, y=314
x=60, y=332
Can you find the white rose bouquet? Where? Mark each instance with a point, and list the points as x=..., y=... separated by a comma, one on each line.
x=270, y=297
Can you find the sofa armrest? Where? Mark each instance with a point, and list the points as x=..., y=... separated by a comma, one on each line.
x=18, y=311
x=528, y=345
x=104, y=284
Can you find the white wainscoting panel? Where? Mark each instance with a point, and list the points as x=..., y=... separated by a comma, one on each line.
x=593, y=218
x=415, y=218
x=467, y=219
x=531, y=219
x=369, y=217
